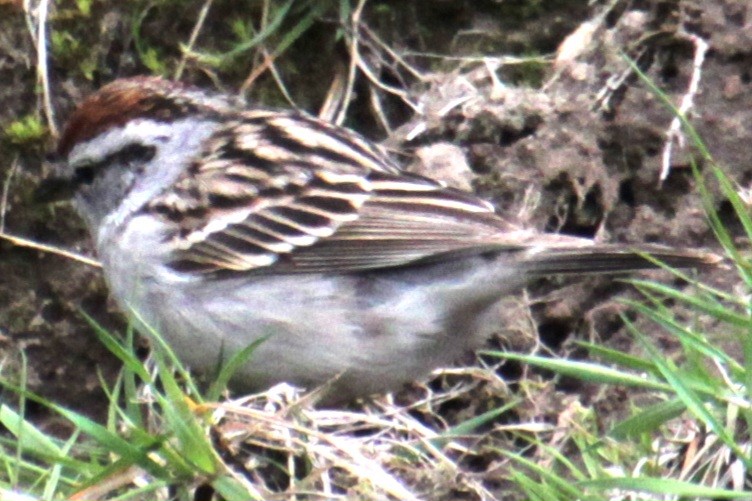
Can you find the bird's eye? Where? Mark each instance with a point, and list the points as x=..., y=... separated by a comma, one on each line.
x=130, y=154
x=84, y=175
x=136, y=152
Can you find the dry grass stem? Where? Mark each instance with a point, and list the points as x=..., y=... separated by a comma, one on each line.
x=355, y=62
x=50, y=249
x=687, y=103
x=200, y=20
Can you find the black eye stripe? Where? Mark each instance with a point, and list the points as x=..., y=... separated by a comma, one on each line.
x=134, y=152
x=84, y=175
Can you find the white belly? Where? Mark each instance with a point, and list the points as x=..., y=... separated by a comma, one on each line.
x=372, y=331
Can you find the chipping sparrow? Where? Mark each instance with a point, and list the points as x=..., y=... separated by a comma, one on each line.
x=221, y=224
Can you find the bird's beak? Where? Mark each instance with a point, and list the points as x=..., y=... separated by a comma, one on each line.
x=56, y=187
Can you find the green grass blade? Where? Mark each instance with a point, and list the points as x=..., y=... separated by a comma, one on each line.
x=691, y=341
x=696, y=303
x=563, y=485
x=741, y=209
x=619, y=358
x=116, y=347
x=648, y=420
x=587, y=371
x=30, y=437
x=689, y=397
x=232, y=490
x=316, y=9
x=228, y=369
x=664, y=486
x=162, y=350
x=469, y=426
x=272, y=27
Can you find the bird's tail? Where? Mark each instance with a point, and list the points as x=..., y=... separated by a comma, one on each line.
x=611, y=258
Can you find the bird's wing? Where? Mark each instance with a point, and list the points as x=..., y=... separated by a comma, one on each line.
x=289, y=193
x=286, y=193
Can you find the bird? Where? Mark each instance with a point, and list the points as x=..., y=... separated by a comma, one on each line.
x=221, y=225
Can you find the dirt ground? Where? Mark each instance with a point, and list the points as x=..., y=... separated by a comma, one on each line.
x=574, y=143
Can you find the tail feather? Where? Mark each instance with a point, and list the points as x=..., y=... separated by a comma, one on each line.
x=611, y=258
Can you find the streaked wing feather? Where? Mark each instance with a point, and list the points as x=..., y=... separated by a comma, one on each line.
x=292, y=194
x=395, y=230
x=286, y=193
x=389, y=220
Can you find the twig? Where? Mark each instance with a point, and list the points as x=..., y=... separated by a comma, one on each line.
x=615, y=82
x=333, y=98
x=357, y=61
x=6, y=190
x=42, y=75
x=294, y=34
x=23, y=242
x=278, y=80
x=105, y=487
x=400, y=60
x=29, y=18
x=192, y=39
x=379, y=111
x=402, y=94
x=354, y=62
x=497, y=87
x=258, y=71
x=687, y=102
